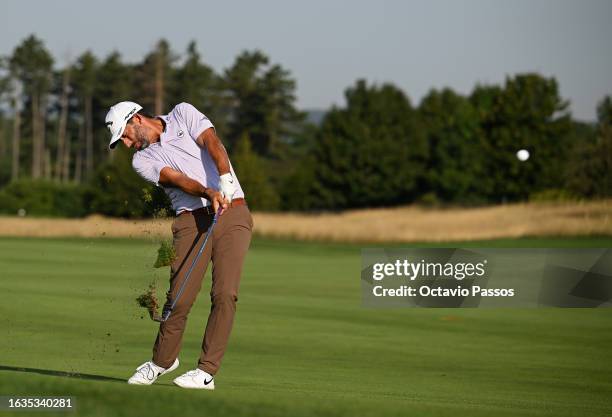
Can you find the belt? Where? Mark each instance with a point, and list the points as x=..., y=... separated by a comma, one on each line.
x=209, y=209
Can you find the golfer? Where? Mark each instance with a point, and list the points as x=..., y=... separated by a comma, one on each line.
x=181, y=152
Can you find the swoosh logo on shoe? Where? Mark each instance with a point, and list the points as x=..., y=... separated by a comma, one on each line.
x=208, y=382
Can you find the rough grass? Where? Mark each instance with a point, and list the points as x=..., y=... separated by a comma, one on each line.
x=403, y=224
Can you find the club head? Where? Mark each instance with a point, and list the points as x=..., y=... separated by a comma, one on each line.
x=160, y=319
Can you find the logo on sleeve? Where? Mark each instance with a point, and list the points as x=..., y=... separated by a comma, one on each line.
x=180, y=134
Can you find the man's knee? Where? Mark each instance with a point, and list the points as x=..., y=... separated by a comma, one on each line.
x=182, y=305
x=224, y=298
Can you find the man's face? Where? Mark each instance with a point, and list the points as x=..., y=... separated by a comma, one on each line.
x=135, y=135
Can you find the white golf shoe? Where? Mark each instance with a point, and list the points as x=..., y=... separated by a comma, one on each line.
x=147, y=373
x=196, y=379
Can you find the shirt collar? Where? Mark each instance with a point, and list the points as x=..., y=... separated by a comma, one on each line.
x=165, y=121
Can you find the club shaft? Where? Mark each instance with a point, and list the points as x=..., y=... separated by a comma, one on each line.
x=193, y=264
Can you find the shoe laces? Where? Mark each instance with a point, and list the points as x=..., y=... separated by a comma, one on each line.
x=146, y=370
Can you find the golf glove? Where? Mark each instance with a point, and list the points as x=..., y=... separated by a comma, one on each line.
x=227, y=186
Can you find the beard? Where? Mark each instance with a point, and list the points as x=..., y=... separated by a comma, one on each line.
x=141, y=137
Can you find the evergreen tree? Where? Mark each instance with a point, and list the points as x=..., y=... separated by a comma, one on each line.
x=115, y=83
x=6, y=94
x=456, y=162
x=62, y=92
x=31, y=63
x=528, y=113
x=197, y=83
x=154, y=79
x=590, y=168
x=604, y=113
x=253, y=179
x=85, y=78
x=372, y=153
x=263, y=103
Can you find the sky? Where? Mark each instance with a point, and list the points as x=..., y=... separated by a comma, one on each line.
x=327, y=45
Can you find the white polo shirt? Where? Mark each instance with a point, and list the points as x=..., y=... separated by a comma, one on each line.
x=177, y=149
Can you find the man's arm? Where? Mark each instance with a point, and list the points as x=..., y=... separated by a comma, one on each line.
x=172, y=178
x=209, y=141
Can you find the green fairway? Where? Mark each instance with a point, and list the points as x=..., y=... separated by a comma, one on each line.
x=302, y=345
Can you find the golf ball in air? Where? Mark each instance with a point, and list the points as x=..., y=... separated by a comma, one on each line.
x=522, y=155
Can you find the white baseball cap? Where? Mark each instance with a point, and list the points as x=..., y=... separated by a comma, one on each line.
x=117, y=117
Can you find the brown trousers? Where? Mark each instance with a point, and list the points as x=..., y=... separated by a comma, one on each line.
x=227, y=247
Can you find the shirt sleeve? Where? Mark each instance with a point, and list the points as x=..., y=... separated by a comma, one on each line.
x=148, y=169
x=195, y=121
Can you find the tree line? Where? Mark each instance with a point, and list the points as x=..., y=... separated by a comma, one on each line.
x=377, y=150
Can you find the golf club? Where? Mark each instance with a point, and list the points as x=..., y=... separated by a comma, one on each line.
x=166, y=312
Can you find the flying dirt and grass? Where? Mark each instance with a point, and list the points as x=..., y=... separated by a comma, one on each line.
x=302, y=345
x=148, y=300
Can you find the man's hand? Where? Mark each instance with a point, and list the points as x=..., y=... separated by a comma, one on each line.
x=227, y=186
x=217, y=200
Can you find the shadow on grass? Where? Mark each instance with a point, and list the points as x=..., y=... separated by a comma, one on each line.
x=61, y=373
